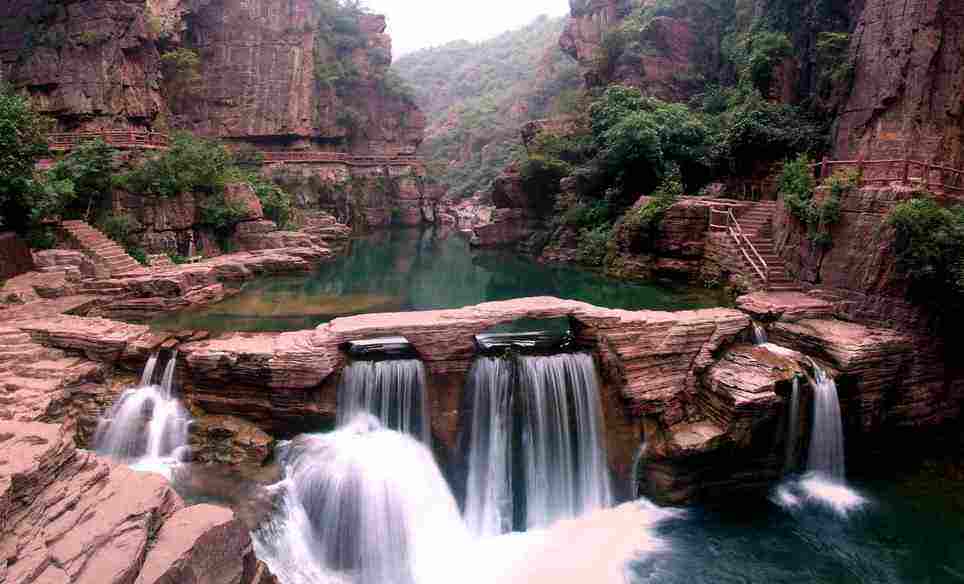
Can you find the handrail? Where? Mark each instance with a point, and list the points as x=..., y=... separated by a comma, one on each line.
x=145, y=139
x=743, y=242
x=903, y=166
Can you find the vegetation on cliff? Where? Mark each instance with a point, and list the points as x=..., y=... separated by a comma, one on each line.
x=477, y=95
x=929, y=242
x=22, y=142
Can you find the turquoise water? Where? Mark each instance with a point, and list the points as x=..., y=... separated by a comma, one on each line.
x=401, y=270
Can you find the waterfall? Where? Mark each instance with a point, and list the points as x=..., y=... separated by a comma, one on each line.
x=556, y=468
x=488, y=497
x=146, y=427
x=363, y=502
x=566, y=471
x=393, y=390
x=793, y=428
x=759, y=334
x=826, y=437
x=147, y=376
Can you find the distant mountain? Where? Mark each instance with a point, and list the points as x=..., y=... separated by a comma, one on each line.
x=476, y=97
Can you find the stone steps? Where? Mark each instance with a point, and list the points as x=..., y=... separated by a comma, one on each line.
x=105, y=252
x=757, y=224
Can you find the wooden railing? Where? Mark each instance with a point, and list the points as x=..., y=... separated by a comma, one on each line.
x=117, y=139
x=155, y=140
x=339, y=157
x=725, y=220
x=905, y=171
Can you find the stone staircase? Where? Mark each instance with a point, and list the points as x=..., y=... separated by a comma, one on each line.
x=107, y=254
x=757, y=224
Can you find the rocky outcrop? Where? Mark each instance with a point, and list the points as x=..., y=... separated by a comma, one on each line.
x=69, y=516
x=229, y=440
x=908, y=80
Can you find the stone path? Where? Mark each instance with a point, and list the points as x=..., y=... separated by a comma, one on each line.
x=757, y=223
x=105, y=252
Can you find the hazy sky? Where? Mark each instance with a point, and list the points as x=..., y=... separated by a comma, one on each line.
x=415, y=24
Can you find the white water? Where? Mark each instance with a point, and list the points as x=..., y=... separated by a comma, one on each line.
x=366, y=505
x=824, y=483
x=488, y=500
x=147, y=427
x=793, y=428
x=759, y=334
x=552, y=404
x=393, y=390
x=566, y=469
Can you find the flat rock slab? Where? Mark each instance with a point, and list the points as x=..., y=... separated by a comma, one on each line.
x=98, y=338
x=786, y=306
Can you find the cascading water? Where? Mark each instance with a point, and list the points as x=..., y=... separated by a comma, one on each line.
x=488, y=489
x=826, y=453
x=551, y=405
x=793, y=428
x=147, y=427
x=566, y=472
x=759, y=334
x=393, y=390
x=363, y=503
x=824, y=481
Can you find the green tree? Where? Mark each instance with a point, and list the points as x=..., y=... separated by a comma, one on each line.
x=88, y=168
x=191, y=165
x=23, y=141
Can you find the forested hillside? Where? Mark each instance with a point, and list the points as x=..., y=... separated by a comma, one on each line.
x=477, y=95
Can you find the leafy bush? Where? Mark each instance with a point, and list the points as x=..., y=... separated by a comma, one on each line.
x=645, y=220
x=23, y=140
x=220, y=214
x=275, y=201
x=593, y=244
x=541, y=176
x=796, y=185
x=88, y=168
x=182, y=71
x=191, y=165
x=929, y=242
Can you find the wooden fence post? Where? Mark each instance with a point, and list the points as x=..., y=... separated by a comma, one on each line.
x=860, y=167
x=824, y=168
x=906, y=175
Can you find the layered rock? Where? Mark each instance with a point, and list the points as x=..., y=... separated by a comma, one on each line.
x=907, y=98
x=72, y=517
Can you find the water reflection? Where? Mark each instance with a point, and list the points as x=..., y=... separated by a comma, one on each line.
x=408, y=269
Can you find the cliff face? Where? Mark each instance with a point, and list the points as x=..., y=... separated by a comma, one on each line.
x=97, y=64
x=908, y=93
x=259, y=82
x=91, y=64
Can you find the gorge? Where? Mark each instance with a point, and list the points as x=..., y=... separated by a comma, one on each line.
x=652, y=292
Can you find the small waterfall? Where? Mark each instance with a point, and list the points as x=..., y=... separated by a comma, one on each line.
x=363, y=502
x=759, y=334
x=556, y=466
x=146, y=427
x=826, y=437
x=793, y=428
x=393, y=390
x=147, y=376
x=488, y=497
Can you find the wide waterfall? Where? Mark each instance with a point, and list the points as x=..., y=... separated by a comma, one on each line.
x=535, y=436
x=147, y=426
x=393, y=390
x=364, y=504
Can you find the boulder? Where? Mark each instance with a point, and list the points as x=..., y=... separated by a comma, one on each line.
x=228, y=440
x=243, y=197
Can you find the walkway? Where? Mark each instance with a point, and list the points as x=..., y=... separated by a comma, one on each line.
x=752, y=235
x=105, y=252
x=905, y=171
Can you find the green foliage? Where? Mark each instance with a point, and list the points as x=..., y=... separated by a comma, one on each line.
x=88, y=169
x=22, y=142
x=89, y=38
x=640, y=138
x=177, y=259
x=756, y=53
x=122, y=229
x=593, y=244
x=41, y=237
x=929, y=241
x=645, y=220
x=274, y=200
x=834, y=65
x=796, y=186
x=182, y=71
x=220, y=214
x=478, y=95
x=191, y=165
x=541, y=175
